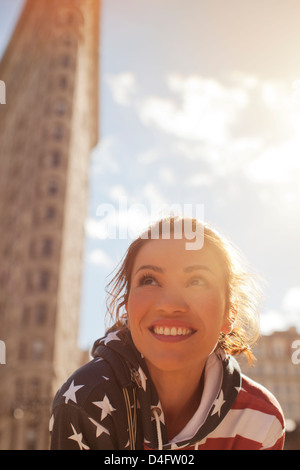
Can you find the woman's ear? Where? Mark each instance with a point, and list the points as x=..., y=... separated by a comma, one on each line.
x=229, y=320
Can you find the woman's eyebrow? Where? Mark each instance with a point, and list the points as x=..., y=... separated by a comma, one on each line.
x=195, y=267
x=150, y=266
x=188, y=269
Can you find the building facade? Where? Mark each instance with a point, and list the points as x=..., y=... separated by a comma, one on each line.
x=48, y=127
x=277, y=367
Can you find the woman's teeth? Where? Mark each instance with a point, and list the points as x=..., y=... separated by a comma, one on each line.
x=173, y=331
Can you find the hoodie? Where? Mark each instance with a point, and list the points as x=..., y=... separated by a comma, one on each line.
x=111, y=403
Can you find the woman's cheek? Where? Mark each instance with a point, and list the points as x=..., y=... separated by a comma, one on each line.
x=210, y=308
x=138, y=303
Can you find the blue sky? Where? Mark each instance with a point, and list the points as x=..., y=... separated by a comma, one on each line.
x=199, y=105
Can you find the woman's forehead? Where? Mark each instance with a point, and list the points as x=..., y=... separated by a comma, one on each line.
x=173, y=252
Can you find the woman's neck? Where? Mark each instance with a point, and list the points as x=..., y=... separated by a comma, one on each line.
x=179, y=394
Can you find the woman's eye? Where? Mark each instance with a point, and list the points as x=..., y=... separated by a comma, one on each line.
x=198, y=281
x=147, y=281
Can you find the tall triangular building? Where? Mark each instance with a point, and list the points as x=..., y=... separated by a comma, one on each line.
x=48, y=127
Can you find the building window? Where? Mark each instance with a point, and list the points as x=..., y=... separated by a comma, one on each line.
x=70, y=17
x=50, y=213
x=32, y=249
x=55, y=158
x=51, y=159
x=52, y=188
x=60, y=107
x=43, y=280
x=22, y=351
x=58, y=132
x=63, y=82
x=29, y=282
x=41, y=314
x=66, y=60
x=34, y=388
x=68, y=40
x=38, y=281
x=47, y=247
x=26, y=316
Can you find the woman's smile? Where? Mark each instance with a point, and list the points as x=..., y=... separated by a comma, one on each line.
x=171, y=332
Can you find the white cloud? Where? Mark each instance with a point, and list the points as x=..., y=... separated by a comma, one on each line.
x=117, y=192
x=95, y=229
x=148, y=156
x=272, y=320
x=276, y=164
x=278, y=161
x=274, y=94
x=244, y=81
x=291, y=307
x=291, y=301
x=200, y=179
x=100, y=258
x=102, y=157
x=201, y=112
x=206, y=111
x=167, y=175
x=123, y=87
x=153, y=195
x=209, y=163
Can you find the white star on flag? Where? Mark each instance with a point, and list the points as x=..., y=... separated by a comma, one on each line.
x=70, y=394
x=105, y=406
x=78, y=438
x=99, y=429
x=113, y=336
x=219, y=402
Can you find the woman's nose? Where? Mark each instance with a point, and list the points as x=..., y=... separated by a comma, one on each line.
x=171, y=301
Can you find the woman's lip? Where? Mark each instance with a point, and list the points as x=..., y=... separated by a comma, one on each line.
x=172, y=336
x=169, y=323
x=179, y=330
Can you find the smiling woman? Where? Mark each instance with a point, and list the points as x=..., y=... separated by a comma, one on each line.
x=242, y=290
x=165, y=373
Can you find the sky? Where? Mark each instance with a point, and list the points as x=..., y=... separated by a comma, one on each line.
x=199, y=106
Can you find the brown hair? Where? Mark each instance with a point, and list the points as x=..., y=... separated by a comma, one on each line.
x=242, y=289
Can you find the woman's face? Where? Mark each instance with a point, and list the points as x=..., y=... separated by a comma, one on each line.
x=176, y=304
